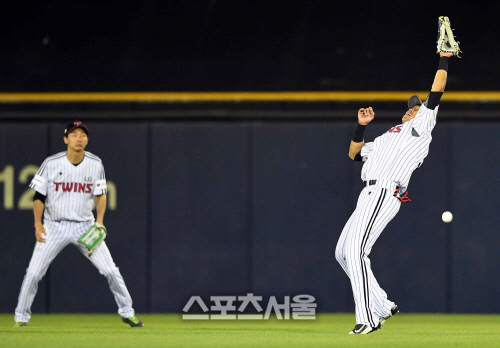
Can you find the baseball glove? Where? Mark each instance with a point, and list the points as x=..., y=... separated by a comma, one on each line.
x=446, y=40
x=94, y=236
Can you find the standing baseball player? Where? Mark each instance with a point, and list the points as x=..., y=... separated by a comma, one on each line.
x=65, y=186
x=389, y=162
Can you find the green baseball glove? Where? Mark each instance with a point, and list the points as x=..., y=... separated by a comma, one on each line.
x=446, y=40
x=93, y=237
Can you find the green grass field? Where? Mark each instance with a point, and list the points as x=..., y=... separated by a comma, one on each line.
x=328, y=330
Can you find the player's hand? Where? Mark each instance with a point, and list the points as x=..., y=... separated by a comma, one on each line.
x=40, y=232
x=365, y=116
x=445, y=54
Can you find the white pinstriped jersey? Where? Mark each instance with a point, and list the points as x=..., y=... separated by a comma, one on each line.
x=398, y=152
x=70, y=189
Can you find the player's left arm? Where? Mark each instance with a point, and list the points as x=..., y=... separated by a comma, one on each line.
x=426, y=118
x=100, y=195
x=442, y=74
x=439, y=83
x=100, y=207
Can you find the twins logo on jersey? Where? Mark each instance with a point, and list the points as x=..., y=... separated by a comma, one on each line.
x=73, y=187
x=396, y=129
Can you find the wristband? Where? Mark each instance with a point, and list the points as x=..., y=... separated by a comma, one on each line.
x=443, y=63
x=358, y=133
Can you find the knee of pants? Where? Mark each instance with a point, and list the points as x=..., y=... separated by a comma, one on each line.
x=33, y=277
x=353, y=253
x=339, y=254
x=110, y=272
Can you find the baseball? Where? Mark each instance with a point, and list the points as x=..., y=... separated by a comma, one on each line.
x=447, y=216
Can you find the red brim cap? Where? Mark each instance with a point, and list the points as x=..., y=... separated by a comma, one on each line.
x=414, y=100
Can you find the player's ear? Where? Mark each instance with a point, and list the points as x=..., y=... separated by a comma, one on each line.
x=65, y=140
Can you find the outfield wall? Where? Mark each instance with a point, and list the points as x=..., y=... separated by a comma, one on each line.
x=224, y=208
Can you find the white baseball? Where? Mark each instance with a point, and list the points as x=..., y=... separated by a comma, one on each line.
x=447, y=216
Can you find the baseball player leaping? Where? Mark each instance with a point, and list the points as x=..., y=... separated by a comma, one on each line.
x=66, y=185
x=389, y=162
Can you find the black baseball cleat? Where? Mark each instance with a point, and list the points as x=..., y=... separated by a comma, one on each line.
x=361, y=329
x=20, y=324
x=394, y=311
x=133, y=321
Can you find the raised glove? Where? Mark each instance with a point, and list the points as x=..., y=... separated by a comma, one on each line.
x=93, y=237
x=446, y=40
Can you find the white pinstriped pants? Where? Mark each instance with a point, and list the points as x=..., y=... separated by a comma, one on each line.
x=59, y=235
x=376, y=207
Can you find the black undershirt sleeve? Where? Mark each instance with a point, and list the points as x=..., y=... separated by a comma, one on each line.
x=433, y=100
x=39, y=196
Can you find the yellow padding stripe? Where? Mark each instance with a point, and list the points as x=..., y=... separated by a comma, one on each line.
x=193, y=97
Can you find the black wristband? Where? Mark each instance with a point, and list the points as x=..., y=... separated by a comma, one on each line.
x=443, y=63
x=358, y=133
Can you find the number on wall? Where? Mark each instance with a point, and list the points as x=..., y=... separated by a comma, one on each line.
x=26, y=199
x=7, y=177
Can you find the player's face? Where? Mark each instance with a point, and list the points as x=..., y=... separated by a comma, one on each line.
x=77, y=140
x=411, y=113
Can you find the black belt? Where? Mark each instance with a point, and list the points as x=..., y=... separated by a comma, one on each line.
x=373, y=182
x=369, y=183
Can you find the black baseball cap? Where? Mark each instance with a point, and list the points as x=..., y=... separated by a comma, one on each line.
x=74, y=125
x=413, y=101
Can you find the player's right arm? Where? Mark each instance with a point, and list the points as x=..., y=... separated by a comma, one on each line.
x=38, y=207
x=365, y=116
x=39, y=184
